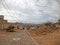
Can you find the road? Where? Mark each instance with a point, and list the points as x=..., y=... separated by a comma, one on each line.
x=17, y=38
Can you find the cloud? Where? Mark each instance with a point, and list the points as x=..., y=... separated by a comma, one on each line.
x=32, y=11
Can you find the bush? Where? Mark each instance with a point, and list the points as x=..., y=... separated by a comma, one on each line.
x=59, y=20
x=11, y=29
x=48, y=23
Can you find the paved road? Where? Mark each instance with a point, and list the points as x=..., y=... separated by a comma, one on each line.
x=17, y=38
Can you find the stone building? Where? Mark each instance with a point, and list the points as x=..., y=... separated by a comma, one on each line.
x=2, y=22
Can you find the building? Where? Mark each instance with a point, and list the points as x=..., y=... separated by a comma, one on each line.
x=2, y=22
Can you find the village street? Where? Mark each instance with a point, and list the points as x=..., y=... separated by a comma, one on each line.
x=17, y=38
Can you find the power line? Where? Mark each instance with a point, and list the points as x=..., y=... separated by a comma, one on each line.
x=5, y=8
x=8, y=10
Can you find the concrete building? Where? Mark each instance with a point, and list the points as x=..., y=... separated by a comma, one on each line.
x=2, y=22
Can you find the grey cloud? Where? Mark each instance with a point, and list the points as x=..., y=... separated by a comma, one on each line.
x=35, y=11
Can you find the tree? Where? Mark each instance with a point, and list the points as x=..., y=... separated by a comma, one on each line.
x=59, y=20
x=48, y=23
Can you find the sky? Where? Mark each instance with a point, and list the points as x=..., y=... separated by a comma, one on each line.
x=30, y=11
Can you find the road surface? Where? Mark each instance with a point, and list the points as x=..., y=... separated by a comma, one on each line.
x=17, y=38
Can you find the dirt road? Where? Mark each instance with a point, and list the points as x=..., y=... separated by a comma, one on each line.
x=17, y=38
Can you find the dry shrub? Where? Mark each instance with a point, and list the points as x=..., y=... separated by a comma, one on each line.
x=11, y=29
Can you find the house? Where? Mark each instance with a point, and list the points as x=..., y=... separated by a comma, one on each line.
x=2, y=22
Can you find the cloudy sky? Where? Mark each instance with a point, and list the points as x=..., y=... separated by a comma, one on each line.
x=30, y=11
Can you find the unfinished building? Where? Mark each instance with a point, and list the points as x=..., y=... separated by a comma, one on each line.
x=2, y=22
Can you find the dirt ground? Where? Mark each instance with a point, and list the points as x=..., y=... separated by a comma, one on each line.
x=45, y=39
x=17, y=38
x=48, y=39
x=3, y=33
